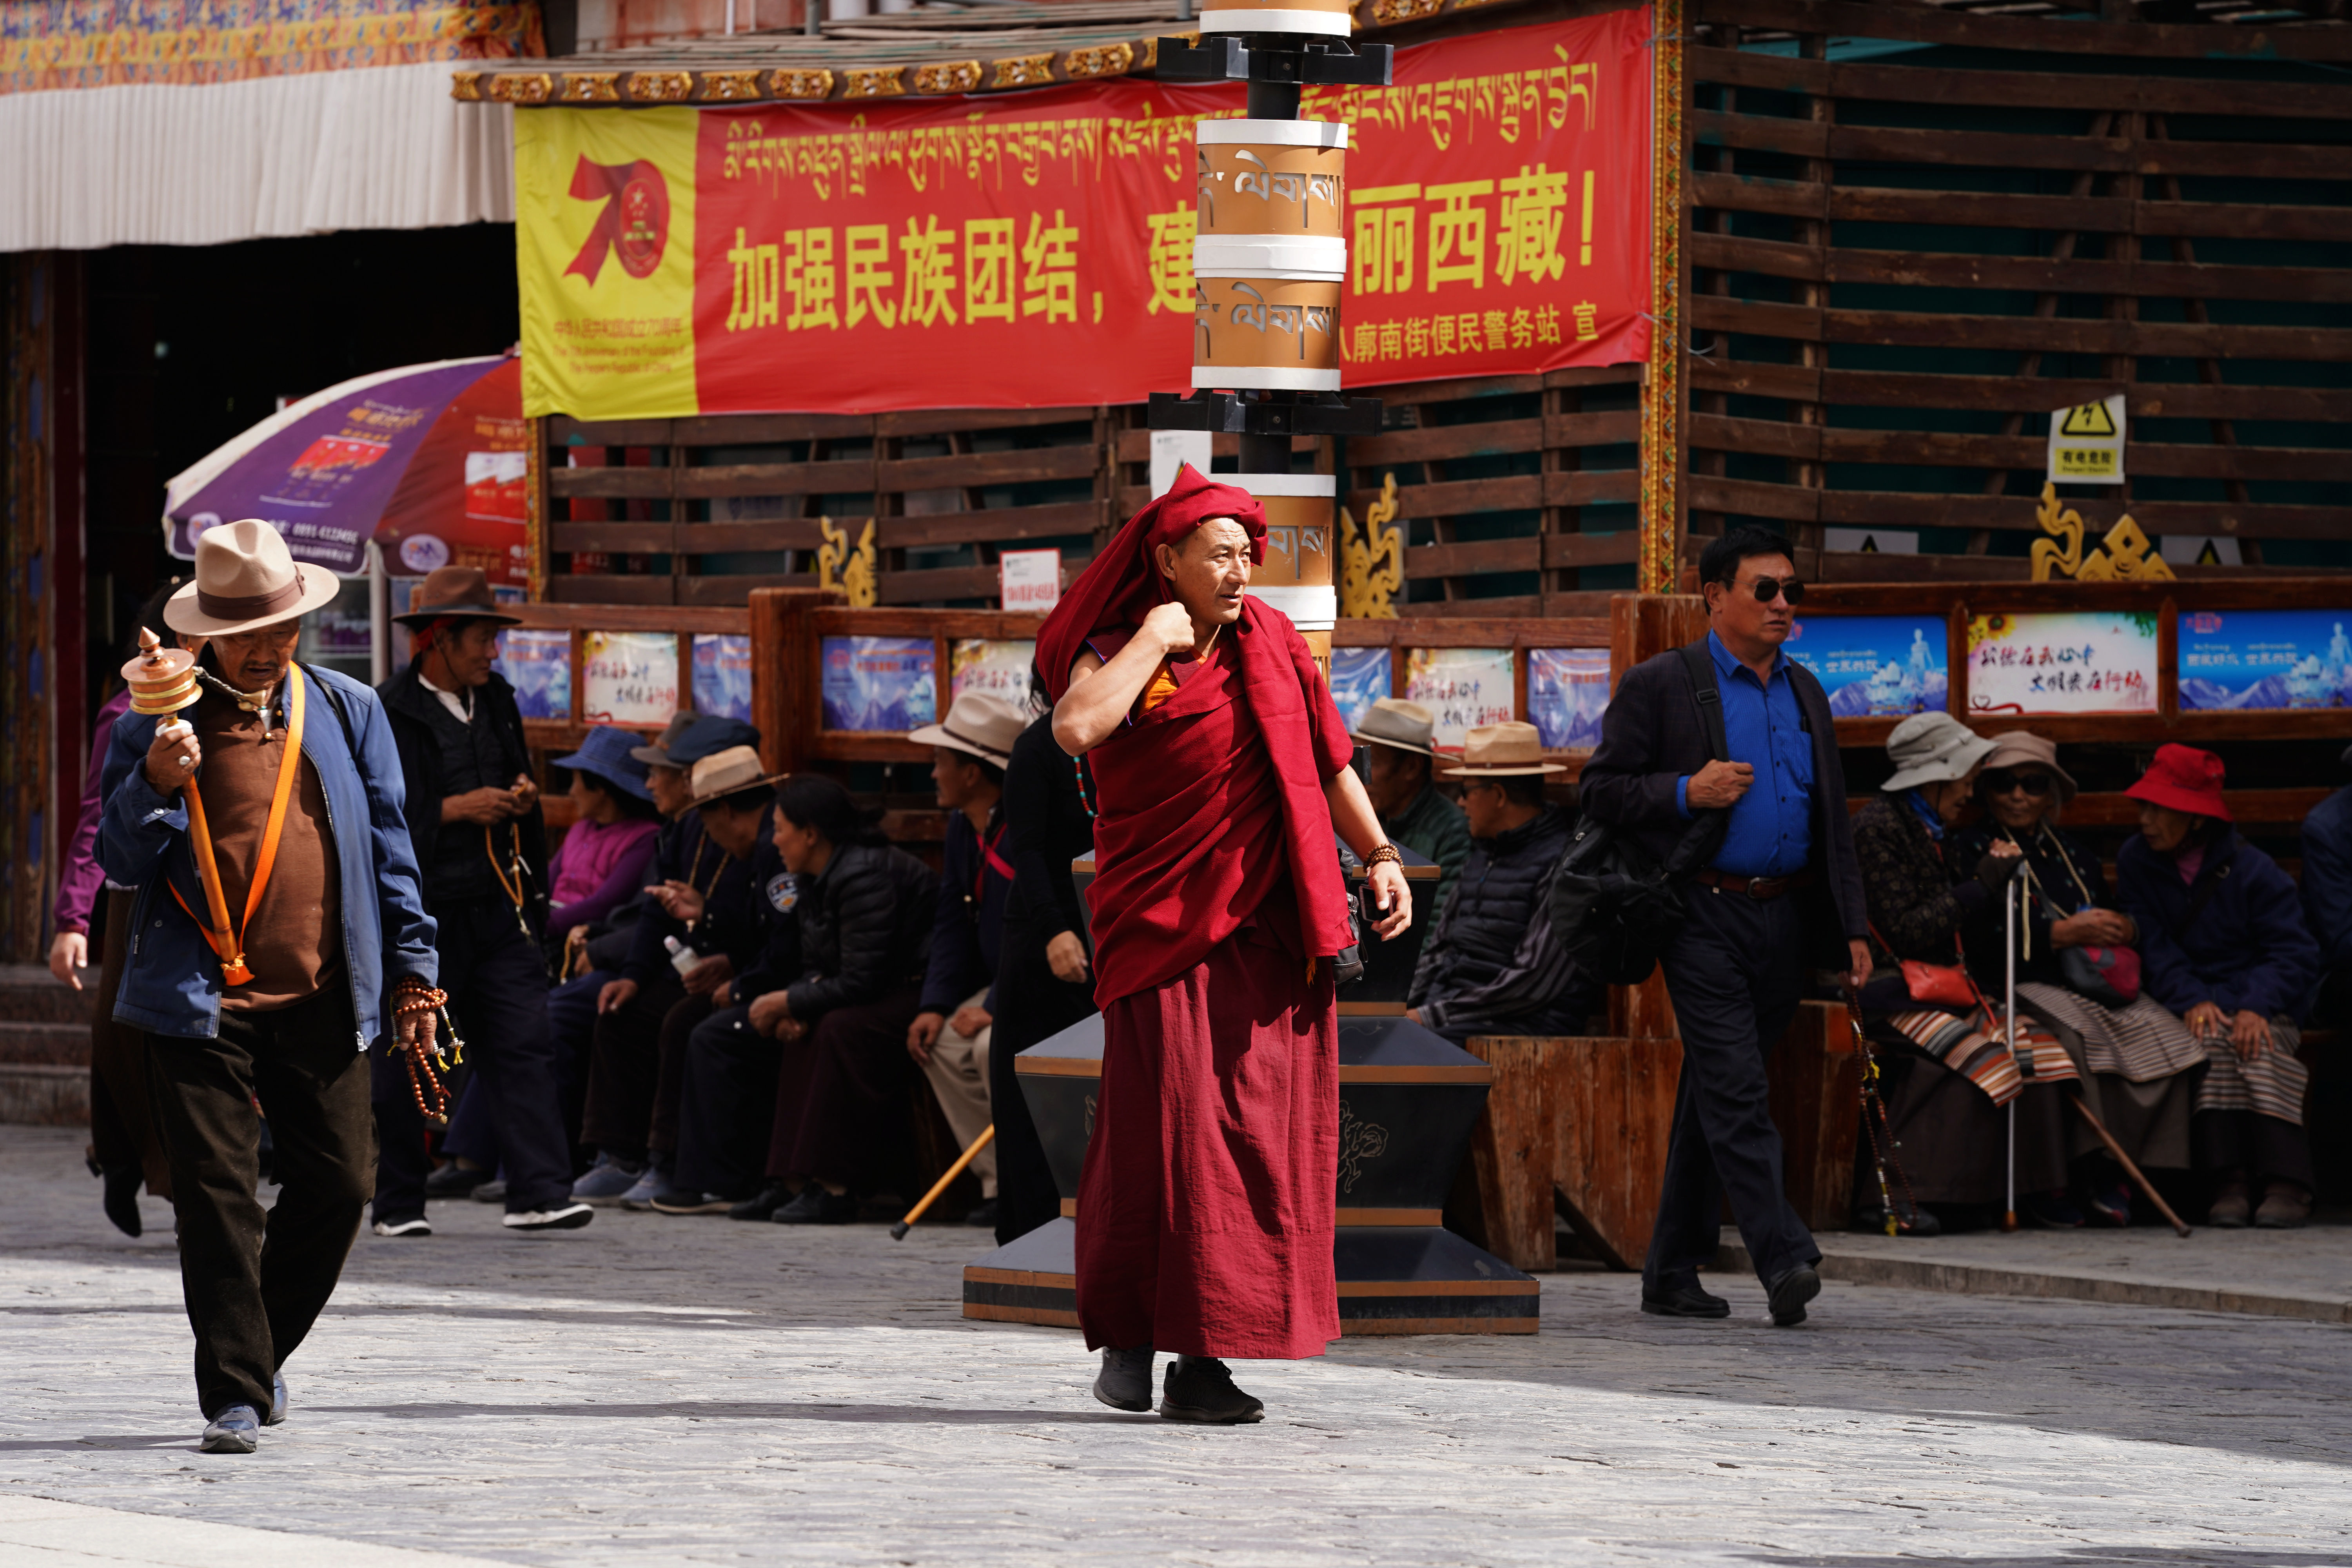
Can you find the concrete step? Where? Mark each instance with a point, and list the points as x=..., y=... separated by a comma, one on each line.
x=30, y=994
x=43, y=1095
x=47, y=1044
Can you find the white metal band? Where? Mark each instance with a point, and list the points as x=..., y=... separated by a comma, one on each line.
x=1306, y=258
x=1274, y=132
x=1309, y=609
x=1336, y=23
x=1273, y=378
x=1311, y=486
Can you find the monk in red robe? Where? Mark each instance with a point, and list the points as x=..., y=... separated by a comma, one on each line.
x=1205, y=1209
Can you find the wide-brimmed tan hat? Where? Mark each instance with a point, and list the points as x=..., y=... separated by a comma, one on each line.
x=2020, y=749
x=1932, y=748
x=1405, y=726
x=246, y=579
x=978, y=725
x=1498, y=750
x=463, y=591
x=725, y=772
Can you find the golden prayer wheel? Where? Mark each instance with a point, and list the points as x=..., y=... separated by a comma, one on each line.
x=1296, y=577
x=1331, y=17
x=1271, y=329
x=1272, y=177
x=162, y=679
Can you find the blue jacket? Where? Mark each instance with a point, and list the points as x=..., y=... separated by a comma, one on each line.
x=2247, y=949
x=171, y=979
x=2327, y=876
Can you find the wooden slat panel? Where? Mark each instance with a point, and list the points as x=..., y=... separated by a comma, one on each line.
x=1764, y=133
x=943, y=583
x=735, y=588
x=1992, y=149
x=1788, y=502
x=1983, y=209
x=1439, y=609
x=610, y=588
x=1592, y=486
x=1910, y=510
x=1610, y=427
x=1710, y=431
x=2016, y=89
x=2147, y=399
x=614, y=538
x=1615, y=549
x=2184, y=340
x=985, y=527
x=1931, y=24
x=1391, y=447
x=1711, y=312
x=849, y=475
x=637, y=483
x=770, y=429
x=1734, y=253
x=776, y=533
x=970, y=470
x=1747, y=194
x=939, y=421
x=1799, y=382
x=563, y=430
x=1481, y=555
x=1521, y=492
x=629, y=618
x=2084, y=275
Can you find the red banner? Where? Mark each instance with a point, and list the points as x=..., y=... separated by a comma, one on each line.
x=1036, y=249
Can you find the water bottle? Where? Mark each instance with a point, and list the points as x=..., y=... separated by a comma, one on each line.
x=681, y=957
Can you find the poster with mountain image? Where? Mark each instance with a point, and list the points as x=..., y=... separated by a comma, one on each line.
x=1875, y=665
x=2255, y=660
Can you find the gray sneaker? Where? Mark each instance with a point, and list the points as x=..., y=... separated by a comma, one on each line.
x=277, y=1401
x=640, y=1196
x=607, y=1182
x=1125, y=1381
x=236, y=1430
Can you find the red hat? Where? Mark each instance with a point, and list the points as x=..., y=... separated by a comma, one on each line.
x=2185, y=779
x=1122, y=584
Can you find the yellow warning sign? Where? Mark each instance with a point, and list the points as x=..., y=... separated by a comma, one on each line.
x=2089, y=419
x=2086, y=443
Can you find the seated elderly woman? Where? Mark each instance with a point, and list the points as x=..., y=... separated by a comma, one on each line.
x=1948, y=1075
x=2223, y=945
x=2137, y=1062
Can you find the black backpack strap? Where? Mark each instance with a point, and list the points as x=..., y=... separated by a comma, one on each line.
x=1700, y=667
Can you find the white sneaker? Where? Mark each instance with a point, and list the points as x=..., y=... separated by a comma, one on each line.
x=571, y=1217
x=412, y=1226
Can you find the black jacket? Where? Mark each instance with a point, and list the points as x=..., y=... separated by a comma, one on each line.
x=406, y=704
x=1652, y=735
x=1492, y=965
x=865, y=929
x=1045, y=807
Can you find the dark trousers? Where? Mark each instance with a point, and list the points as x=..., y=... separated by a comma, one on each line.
x=121, y=1124
x=636, y=1062
x=1032, y=1007
x=1735, y=973
x=570, y=1022
x=2263, y=1147
x=727, y=1082
x=842, y=1111
x=256, y=1281
x=498, y=995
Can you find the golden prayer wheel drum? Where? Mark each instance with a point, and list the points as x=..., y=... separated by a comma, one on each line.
x=1277, y=329
x=1272, y=177
x=1329, y=17
x=1296, y=575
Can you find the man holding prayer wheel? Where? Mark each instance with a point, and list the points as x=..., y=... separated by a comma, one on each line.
x=278, y=930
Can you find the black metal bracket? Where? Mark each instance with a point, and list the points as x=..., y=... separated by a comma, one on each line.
x=1298, y=414
x=1223, y=57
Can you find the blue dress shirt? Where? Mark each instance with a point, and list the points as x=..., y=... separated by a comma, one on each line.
x=1771, y=829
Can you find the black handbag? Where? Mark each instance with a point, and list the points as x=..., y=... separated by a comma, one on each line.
x=1615, y=911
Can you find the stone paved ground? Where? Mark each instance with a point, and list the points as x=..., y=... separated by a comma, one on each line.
x=674, y=1390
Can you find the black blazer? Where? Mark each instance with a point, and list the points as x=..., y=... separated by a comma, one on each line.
x=1653, y=736
x=405, y=702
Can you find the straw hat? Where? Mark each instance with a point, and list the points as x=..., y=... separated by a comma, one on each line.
x=461, y=591
x=246, y=579
x=2020, y=749
x=2184, y=779
x=1932, y=748
x=1397, y=723
x=726, y=773
x=1498, y=751
x=978, y=725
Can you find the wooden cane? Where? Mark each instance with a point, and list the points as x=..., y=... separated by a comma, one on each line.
x=2130, y=1170
x=899, y=1232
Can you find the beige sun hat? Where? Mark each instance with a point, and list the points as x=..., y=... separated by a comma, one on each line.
x=1932, y=748
x=978, y=725
x=246, y=579
x=2022, y=748
x=1497, y=750
x=1393, y=721
x=723, y=773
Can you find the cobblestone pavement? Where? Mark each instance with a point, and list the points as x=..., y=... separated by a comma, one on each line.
x=690, y=1390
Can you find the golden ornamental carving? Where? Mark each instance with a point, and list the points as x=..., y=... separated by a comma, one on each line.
x=730, y=87
x=800, y=83
x=1023, y=70
x=1388, y=12
x=2127, y=555
x=944, y=77
x=466, y=87
x=1372, y=566
x=591, y=86
x=879, y=81
x=1103, y=59
x=660, y=87
x=839, y=566
x=525, y=88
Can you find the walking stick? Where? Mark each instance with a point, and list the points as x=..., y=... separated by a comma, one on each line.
x=2008, y=1025
x=899, y=1232
x=2130, y=1169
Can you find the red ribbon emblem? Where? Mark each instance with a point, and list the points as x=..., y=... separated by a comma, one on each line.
x=635, y=222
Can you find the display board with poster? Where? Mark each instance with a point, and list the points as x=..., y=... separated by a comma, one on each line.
x=2068, y=662
x=722, y=675
x=1359, y=678
x=878, y=685
x=2245, y=660
x=999, y=666
x=628, y=678
x=1875, y=665
x=1464, y=688
x=537, y=665
x=1568, y=691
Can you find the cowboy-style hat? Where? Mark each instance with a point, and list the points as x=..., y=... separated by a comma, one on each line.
x=730, y=771
x=456, y=590
x=692, y=737
x=1932, y=748
x=2018, y=749
x=2185, y=779
x=1498, y=750
x=246, y=579
x=979, y=725
x=1397, y=723
x=605, y=752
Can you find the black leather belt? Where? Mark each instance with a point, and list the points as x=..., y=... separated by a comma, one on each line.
x=1761, y=888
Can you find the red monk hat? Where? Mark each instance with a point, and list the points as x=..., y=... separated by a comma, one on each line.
x=2185, y=779
x=1123, y=584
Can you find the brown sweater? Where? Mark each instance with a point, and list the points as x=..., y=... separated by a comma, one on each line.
x=294, y=944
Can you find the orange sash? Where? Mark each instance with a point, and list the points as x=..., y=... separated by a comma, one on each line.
x=227, y=944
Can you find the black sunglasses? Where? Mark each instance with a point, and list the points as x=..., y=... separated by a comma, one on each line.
x=2004, y=780
x=1768, y=589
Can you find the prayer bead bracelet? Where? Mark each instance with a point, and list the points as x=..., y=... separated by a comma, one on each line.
x=1386, y=852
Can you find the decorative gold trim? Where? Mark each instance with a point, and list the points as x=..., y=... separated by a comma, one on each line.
x=466, y=87
x=2129, y=554
x=1390, y=11
x=855, y=566
x=879, y=81
x=534, y=509
x=1102, y=59
x=1372, y=563
x=946, y=77
x=1024, y=70
x=800, y=84
x=660, y=87
x=729, y=86
x=1662, y=389
x=525, y=88
x=591, y=86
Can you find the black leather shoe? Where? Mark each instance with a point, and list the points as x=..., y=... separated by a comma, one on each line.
x=816, y=1207
x=456, y=1181
x=762, y=1204
x=1789, y=1292
x=1201, y=1388
x=121, y=1200
x=1685, y=1300
x=1909, y=1221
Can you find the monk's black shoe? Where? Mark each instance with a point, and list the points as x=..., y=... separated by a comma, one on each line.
x=1125, y=1381
x=1684, y=1301
x=1789, y=1294
x=1201, y=1388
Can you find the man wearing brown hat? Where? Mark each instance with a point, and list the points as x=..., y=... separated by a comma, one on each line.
x=1400, y=741
x=272, y=949
x=481, y=842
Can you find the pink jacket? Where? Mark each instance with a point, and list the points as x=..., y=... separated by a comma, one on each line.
x=79, y=878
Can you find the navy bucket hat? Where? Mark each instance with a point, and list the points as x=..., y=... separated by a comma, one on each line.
x=606, y=752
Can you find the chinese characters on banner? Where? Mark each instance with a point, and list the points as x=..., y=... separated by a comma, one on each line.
x=1036, y=249
x=628, y=678
x=1464, y=687
x=2065, y=663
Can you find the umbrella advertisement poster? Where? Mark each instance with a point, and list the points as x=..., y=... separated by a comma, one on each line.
x=2264, y=660
x=879, y=685
x=2063, y=663
x=1875, y=665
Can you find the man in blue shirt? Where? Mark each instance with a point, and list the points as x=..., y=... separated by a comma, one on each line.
x=1780, y=895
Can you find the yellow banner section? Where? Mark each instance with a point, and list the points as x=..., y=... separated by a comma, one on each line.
x=604, y=244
